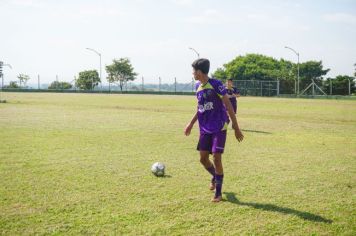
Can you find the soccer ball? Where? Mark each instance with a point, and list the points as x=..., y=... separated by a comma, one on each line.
x=158, y=169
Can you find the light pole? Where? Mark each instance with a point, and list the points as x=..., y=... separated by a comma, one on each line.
x=297, y=53
x=194, y=51
x=99, y=54
x=2, y=74
x=2, y=78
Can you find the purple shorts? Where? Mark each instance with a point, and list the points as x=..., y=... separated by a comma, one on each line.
x=214, y=143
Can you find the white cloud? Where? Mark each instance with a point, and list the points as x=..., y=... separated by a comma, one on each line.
x=27, y=3
x=99, y=12
x=208, y=16
x=340, y=17
x=183, y=2
x=255, y=16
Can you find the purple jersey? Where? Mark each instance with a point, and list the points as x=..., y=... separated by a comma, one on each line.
x=212, y=115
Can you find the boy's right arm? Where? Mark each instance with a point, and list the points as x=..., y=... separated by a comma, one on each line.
x=190, y=125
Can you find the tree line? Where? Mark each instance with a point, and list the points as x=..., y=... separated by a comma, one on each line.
x=252, y=67
x=119, y=72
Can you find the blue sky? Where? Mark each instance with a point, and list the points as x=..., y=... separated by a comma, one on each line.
x=49, y=37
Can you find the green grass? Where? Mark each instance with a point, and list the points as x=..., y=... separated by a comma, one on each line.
x=80, y=164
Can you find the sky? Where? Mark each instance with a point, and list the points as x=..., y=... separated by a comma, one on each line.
x=49, y=38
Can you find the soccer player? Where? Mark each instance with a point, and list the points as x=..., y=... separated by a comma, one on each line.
x=212, y=117
x=232, y=93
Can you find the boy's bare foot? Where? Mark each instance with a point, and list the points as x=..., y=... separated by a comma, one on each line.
x=212, y=185
x=217, y=199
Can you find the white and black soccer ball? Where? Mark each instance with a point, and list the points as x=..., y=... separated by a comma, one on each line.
x=158, y=169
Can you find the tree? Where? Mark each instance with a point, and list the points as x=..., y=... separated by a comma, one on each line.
x=87, y=80
x=340, y=85
x=23, y=79
x=220, y=74
x=13, y=84
x=311, y=70
x=59, y=85
x=120, y=71
x=260, y=67
x=255, y=67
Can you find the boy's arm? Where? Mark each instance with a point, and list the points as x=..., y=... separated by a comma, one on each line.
x=237, y=93
x=239, y=136
x=190, y=125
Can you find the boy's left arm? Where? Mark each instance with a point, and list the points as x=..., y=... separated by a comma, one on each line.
x=237, y=93
x=238, y=134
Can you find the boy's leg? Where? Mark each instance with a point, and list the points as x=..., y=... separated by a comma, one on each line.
x=218, y=177
x=235, y=108
x=208, y=165
x=218, y=148
x=204, y=147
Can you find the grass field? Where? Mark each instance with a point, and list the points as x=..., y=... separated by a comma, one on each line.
x=80, y=164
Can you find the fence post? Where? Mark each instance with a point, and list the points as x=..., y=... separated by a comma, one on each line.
x=245, y=88
x=261, y=88
x=192, y=84
x=277, y=87
x=75, y=83
x=269, y=88
x=256, y=89
x=142, y=84
x=331, y=87
x=175, y=85
x=1, y=75
x=349, y=87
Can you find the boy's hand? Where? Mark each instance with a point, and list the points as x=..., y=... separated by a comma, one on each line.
x=238, y=134
x=187, y=130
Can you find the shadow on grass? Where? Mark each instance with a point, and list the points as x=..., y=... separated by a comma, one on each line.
x=255, y=131
x=231, y=197
x=164, y=176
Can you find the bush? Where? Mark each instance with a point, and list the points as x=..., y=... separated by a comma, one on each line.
x=13, y=84
x=59, y=85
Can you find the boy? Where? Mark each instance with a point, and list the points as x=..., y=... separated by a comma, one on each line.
x=212, y=116
x=232, y=93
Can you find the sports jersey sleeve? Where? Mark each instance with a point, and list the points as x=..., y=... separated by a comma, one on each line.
x=219, y=87
x=236, y=91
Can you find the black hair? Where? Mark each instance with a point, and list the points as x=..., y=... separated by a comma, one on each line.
x=201, y=64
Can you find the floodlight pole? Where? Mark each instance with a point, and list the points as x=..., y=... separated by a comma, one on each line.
x=297, y=53
x=2, y=78
x=195, y=51
x=2, y=75
x=99, y=54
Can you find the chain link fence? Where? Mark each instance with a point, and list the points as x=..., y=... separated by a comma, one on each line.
x=173, y=86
